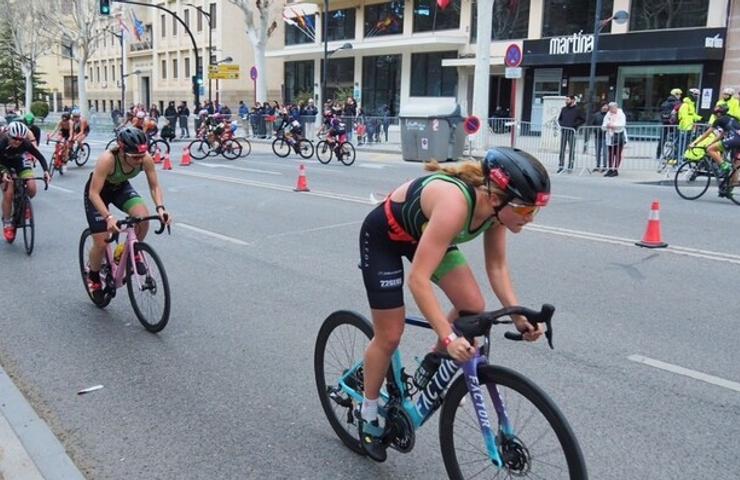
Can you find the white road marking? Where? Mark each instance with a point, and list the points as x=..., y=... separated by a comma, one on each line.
x=669, y=367
x=61, y=189
x=243, y=169
x=374, y=166
x=315, y=229
x=213, y=234
x=569, y=197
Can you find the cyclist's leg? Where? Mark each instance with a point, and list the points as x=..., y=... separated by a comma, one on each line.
x=98, y=229
x=128, y=200
x=30, y=183
x=7, y=199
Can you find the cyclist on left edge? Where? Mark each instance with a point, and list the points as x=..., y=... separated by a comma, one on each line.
x=12, y=147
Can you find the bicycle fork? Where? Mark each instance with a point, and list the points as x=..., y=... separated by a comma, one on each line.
x=470, y=370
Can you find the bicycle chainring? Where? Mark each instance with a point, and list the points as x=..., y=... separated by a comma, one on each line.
x=400, y=430
x=516, y=457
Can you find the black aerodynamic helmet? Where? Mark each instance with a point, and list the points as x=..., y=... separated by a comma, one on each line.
x=518, y=174
x=133, y=140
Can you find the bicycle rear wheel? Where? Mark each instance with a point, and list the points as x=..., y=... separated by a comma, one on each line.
x=160, y=145
x=199, y=149
x=543, y=444
x=340, y=344
x=281, y=147
x=83, y=154
x=732, y=191
x=324, y=152
x=148, y=288
x=86, y=242
x=692, y=179
x=246, y=146
x=26, y=220
x=305, y=148
x=347, y=156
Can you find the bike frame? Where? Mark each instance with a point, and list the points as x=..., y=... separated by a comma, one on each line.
x=118, y=271
x=429, y=400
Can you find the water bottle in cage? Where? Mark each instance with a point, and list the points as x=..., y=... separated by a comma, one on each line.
x=427, y=369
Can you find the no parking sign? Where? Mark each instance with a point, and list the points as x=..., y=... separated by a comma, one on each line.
x=471, y=125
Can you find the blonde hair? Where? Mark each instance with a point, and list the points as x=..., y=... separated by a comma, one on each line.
x=470, y=172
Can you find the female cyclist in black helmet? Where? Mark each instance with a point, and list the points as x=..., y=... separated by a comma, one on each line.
x=109, y=183
x=423, y=220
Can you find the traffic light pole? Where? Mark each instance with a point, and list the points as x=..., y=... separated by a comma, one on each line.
x=198, y=65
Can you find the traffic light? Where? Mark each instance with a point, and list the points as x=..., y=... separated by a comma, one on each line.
x=105, y=7
x=197, y=83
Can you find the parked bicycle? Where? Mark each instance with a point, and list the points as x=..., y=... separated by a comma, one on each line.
x=285, y=142
x=135, y=264
x=668, y=157
x=537, y=441
x=22, y=210
x=693, y=177
x=339, y=147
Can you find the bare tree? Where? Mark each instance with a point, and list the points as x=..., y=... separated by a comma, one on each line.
x=25, y=19
x=79, y=22
x=257, y=15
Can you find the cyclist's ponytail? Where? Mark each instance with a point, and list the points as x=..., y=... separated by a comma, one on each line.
x=469, y=172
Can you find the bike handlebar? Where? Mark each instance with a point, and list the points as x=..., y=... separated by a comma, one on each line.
x=131, y=221
x=471, y=326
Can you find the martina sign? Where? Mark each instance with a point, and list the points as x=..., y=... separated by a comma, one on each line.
x=576, y=43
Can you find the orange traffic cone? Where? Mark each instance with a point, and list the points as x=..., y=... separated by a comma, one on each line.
x=167, y=163
x=185, y=161
x=652, y=237
x=157, y=157
x=302, y=185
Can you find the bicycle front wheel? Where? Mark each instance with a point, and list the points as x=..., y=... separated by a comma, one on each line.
x=324, y=152
x=231, y=149
x=347, y=151
x=246, y=146
x=280, y=147
x=199, y=149
x=340, y=345
x=28, y=226
x=732, y=191
x=542, y=444
x=86, y=243
x=160, y=145
x=148, y=288
x=692, y=179
x=305, y=148
x=83, y=154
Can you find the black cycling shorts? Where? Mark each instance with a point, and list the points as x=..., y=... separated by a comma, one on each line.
x=123, y=196
x=732, y=142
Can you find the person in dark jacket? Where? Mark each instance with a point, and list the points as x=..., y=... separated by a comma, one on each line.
x=570, y=118
x=183, y=114
x=170, y=113
x=597, y=121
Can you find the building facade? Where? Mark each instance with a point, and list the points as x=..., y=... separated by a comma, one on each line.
x=407, y=52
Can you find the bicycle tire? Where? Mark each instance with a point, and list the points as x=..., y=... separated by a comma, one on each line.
x=344, y=424
x=149, y=284
x=111, y=143
x=199, y=149
x=160, y=145
x=733, y=191
x=281, y=147
x=523, y=458
x=305, y=148
x=348, y=153
x=83, y=254
x=324, y=152
x=26, y=219
x=83, y=155
x=231, y=149
x=688, y=180
x=246, y=146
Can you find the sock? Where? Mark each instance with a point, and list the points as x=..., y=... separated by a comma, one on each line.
x=369, y=410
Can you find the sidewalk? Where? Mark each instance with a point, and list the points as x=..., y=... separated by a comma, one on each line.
x=28, y=448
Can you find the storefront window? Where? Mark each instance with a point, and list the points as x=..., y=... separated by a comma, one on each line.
x=658, y=14
x=384, y=19
x=510, y=20
x=381, y=84
x=566, y=17
x=304, y=30
x=298, y=79
x=429, y=17
x=341, y=24
x=429, y=78
x=340, y=77
x=641, y=90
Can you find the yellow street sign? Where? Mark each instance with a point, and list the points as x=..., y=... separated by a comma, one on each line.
x=223, y=68
x=224, y=76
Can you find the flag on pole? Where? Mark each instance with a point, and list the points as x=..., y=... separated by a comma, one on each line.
x=139, y=29
x=124, y=28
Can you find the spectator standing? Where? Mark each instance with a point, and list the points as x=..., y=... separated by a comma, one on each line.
x=614, y=124
x=309, y=115
x=599, y=134
x=183, y=114
x=385, y=112
x=570, y=118
x=687, y=117
x=668, y=119
x=729, y=99
x=350, y=112
x=116, y=115
x=154, y=112
x=243, y=110
x=170, y=113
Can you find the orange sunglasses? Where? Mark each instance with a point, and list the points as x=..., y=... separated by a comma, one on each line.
x=524, y=210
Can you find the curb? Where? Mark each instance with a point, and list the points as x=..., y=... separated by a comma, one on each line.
x=29, y=449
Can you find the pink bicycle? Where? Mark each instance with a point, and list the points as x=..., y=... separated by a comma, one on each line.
x=142, y=272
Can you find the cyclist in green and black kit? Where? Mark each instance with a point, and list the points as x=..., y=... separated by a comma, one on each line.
x=109, y=183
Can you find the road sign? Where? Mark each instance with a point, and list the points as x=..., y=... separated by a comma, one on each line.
x=513, y=56
x=224, y=76
x=223, y=68
x=253, y=73
x=513, y=72
x=471, y=125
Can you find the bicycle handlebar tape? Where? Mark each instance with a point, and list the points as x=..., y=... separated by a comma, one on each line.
x=167, y=163
x=652, y=237
x=302, y=185
x=186, y=160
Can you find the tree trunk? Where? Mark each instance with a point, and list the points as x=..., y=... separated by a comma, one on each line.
x=28, y=74
x=260, y=62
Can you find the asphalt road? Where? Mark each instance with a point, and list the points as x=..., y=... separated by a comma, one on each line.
x=227, y=389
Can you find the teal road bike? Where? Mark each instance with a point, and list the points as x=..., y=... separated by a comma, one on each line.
x=494, y=422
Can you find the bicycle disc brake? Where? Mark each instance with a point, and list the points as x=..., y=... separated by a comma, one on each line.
x=516, y=456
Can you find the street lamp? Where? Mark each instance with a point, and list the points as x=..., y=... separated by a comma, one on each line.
x=619, y=18
x=210, y=43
